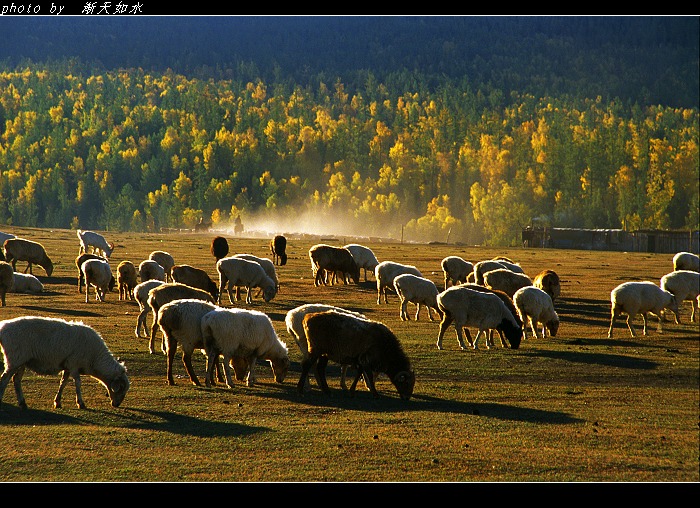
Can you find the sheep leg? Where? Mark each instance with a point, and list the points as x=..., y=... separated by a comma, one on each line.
x=172, y=346
x=321, y=374
x=613, y=315
x=368, y=374
x=187, y=360
x=248, y=296
x=252, y=362
x=306, y=365
x=629, y=325
x=418, y=311
x=459, y=328
x=403, y=314
x=154, y=332
x=16, y=375
x=141, y=323
x=64, y=381
x=446, y=321
x=87, y=292
x=533, y=327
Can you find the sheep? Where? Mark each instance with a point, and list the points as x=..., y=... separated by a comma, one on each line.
x=5, y=236
x=149, y=269
x=278, y=249
x=684, y=285
x=246, y=333
x=98, y=243
x=79, y=264
x=506, y=280
x=385, y=273
x=236, y=271
x=467, y=307
x=97, y=273
x=7, y=280
x=548, y=281
x=165, y=260
x=51, y=345
x=166, y=293
x=127, y=280
x=535, y=304
x=686, y=261
x=26, y=283
x=219, y=247
x=141, y=296
x=418, y=290
x=326, y=258
x=482, y=267
x=363, y=256
x=195, y=277
x=639, y=297
x=509, y=263
x=456, y=270
x=19, y=249
x=368, y=345
x=508, y=301
x=267, y=265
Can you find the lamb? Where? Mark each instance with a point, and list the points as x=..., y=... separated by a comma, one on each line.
x=50, y=345
x=165, y=260
x=456, y=270
x=418, y=290
x=505, y=280
x=368, y=345
x=127, y=280
x=141, y=296
x=7, y=280
x=639, y=297
x=99, y=245
x=508, y=301
x=236, y=271
x=166, y=293
x=684, y=285
x=149, y=269
x=247, y=333
x=278, y=249
x=467, y=307
x=482, y=267
x=26, y=283
x=219, y=247
x=385, y=273
x=195, y=277
x=19, y=249
x=326, y=258
x=79, y=264
x=97, y=273
x=548, y=281
x=686, y=261
x=363, y=256
x=535, y=304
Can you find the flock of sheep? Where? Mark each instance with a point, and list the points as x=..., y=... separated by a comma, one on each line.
x=490, y=296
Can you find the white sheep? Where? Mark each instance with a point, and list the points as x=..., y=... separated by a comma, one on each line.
x=684, y=285
x=96, y=241
x=26, y=283
x=417, y=290
x=456, y=270
x=467, y=307
x=535, y=305
x=508, y=301
x=385, y=273
x=165, y=260
x=141, y=292
x=267, y=265
x=50, y=345
x=7, y=280
x=19, y=249
x=150, y=269
x=686, y=261
x=79, y=264
x=639, y=297
x=235, y=271
x=246, y=333
x=127, y=280
x=506, y=280
x=98, y=274
x=509, y=263
x=363, y=256
x=482, y=267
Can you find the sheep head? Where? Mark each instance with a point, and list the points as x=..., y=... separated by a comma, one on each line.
x=404, y=381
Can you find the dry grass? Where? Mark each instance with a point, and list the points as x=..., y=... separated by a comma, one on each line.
x=578, y=407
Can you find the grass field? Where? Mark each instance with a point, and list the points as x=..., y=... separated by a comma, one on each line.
x=575, y=408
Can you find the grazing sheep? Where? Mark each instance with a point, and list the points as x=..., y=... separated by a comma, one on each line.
x=219, y=247
x=368, y=345
x=643, y=297
x=482, y=267
x=5, y=236
x=385, y=273
x=48, y=346
x=166, y=293
x=165, y=260
x=97, y=273
x=509, y=263
x=363, y=256
x=548, y=281
x=149, y=269
x=141, y=296
x=19, y=249
x=246, y=333
x=506, y=280
x=418, y=290
x=456, y=270
x=278, y=249
x=467, y=307
x=686, y=261
x=26, y=283
x=684, y=285
x=267, y=265
x=99, y=245
x=236, y=271
x=127, y=280
x=535, y=304
x=508, y=301
x=79, y=264
x=329, y=259
x=7, y=280
x=195, y=277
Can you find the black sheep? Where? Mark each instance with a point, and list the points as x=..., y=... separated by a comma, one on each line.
x=278, y=248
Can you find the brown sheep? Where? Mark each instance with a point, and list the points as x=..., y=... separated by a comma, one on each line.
x=329, y=259
x=219, y=247
x=127, y=280
x=548, y=281
x=278, y=249
x=195, y=277
x=19, y=249
x=7, y=279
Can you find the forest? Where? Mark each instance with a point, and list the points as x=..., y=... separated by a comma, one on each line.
x=371, y=146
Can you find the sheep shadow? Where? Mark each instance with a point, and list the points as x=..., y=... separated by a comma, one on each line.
x=583, y=311
x=601, y=359
x=67, y=312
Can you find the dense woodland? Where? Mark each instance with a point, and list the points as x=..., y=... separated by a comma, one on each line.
x=473, y=146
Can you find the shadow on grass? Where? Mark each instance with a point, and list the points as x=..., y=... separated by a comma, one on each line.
x=602, y=359
x=66, y=312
